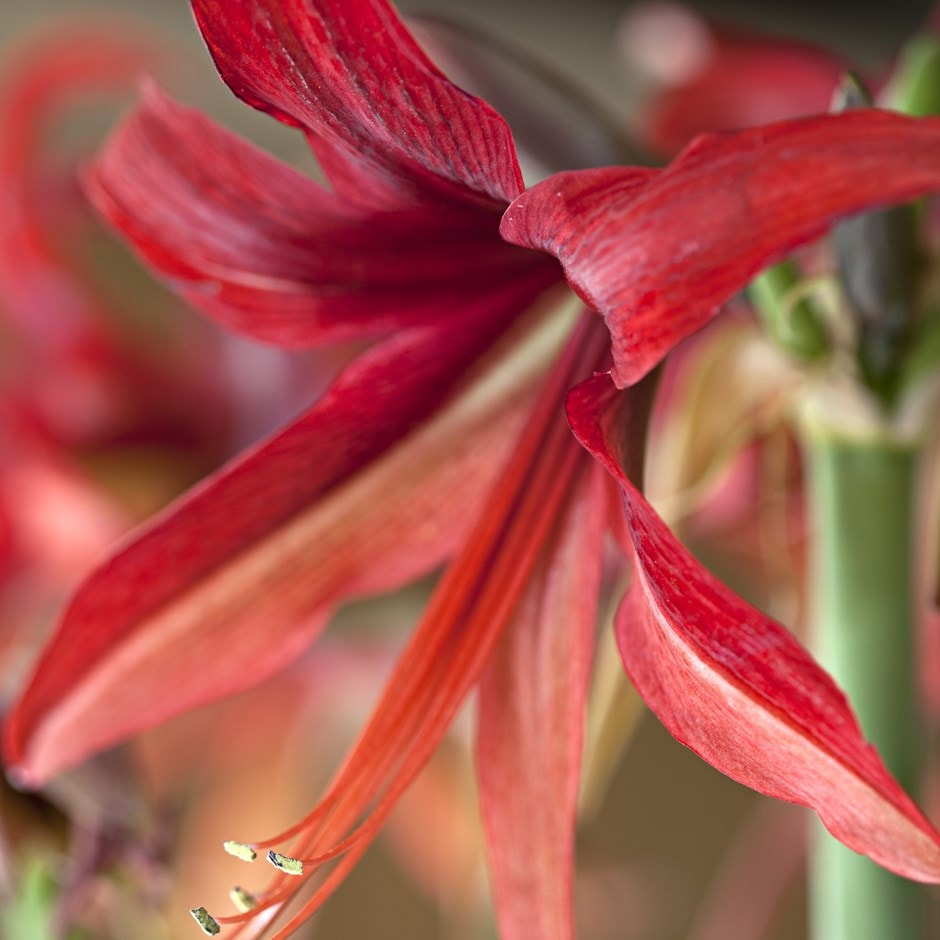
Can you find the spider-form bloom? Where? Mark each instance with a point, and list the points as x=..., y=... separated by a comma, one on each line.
x=448, y=441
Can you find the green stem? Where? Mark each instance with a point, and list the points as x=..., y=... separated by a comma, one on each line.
x=795, y=327
x=915, y=86
x=862, y=492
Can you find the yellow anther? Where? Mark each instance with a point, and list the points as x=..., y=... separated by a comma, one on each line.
x=206, y=921
x=240, y=850
x=242, y=899
x=286, y=864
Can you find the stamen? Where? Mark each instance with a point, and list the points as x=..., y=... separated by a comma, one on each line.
x=286, y=864
x=244, y=900
x=308, y=822
x=240, y=850
x=459, y=627
x=206, y=921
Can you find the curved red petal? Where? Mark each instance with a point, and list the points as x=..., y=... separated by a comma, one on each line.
x=185, y=613
x=738, y=688
x=267, y=251
x=659, y=260
x=532, y=704
x=449, y=649
x=390, y=129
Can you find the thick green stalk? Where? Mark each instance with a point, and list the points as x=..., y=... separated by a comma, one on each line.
x=862, y=495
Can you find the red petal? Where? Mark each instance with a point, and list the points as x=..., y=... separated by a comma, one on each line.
x=252, y=242
x=449, y=649
x=658, y=261
x=531, y=726
x=737, y=688
x=389, y=128
x=186, y=613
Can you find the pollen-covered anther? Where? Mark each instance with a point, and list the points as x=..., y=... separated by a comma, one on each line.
x=286, y=864
x=240, y=850
x=205, y=920
x=244, y=900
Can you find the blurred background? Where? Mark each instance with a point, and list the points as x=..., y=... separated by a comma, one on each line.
x=668, y=849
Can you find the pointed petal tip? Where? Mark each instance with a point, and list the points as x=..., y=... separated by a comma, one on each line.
x=21, y=778
x=18, y=771
x=28, y=763
x=738, y=688
x=142, y=637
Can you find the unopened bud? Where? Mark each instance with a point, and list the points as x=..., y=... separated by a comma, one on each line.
x=851, y=92
x=879, y=266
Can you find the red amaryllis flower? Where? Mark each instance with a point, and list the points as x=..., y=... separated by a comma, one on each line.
x=710, y=77
x=75, y=363
x=77, y=381
x=729, y=205
x=447, y=441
